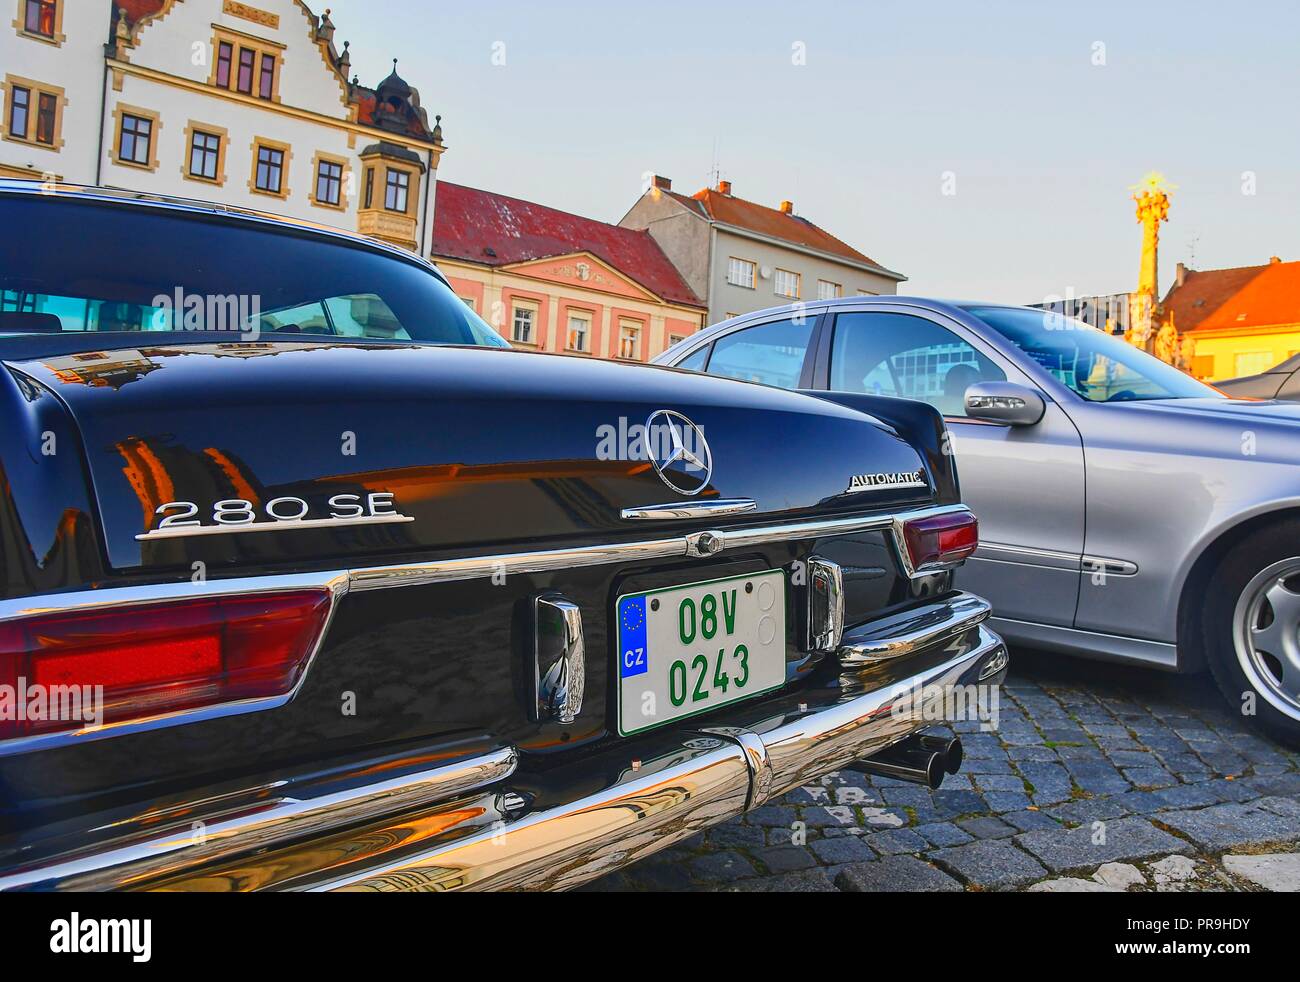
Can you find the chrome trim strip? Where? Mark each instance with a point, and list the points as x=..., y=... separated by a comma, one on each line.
x=902, y=634
x=1001, y=552
x=998, y=552
x=290, y=525
x=286, y=814
x=335, y=581
x=471, y=567
x=685, y=510
x=1110, y=567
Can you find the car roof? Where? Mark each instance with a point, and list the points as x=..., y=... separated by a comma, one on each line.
x=818, y=306
x=212, y=209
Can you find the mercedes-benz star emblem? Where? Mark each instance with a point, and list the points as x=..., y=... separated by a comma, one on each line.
x=679, y=452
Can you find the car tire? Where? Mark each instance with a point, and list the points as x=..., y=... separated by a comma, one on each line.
x=1252, y=629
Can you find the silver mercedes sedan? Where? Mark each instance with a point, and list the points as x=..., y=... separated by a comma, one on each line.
x=1127, y=511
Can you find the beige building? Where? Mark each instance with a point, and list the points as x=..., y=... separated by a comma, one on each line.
x=549, y=280
x=740, y=256
x=249, y=104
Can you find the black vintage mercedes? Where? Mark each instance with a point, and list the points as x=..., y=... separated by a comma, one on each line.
x=309, y=582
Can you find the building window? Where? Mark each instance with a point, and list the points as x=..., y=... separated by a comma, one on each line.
x=868, y=293
x=269, y=177
x=629, y=340
x=329, y=183
x=225, y=55
x=469, y=302
x=33, y=113
x=521, y=324
x=135, y=140
x=205, y=155
x=579, y=332
x=787, y=284
x=741, y=272
x=245, y=66
x=244, y=82
x=370, y=187
x=395, y=191
x=266, y=81
x=826, y=290
x=47, y=114
x=41, y=17
x=20, y=105
x=675, y=339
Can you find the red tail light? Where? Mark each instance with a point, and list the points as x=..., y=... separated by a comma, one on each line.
x=155, y=659
x=941, y=540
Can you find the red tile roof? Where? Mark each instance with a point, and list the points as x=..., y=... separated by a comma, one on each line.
x=730, y=210
x=467, y=222
x=1243, y=297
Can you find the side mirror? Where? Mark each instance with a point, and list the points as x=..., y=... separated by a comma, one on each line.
x=1005, y=402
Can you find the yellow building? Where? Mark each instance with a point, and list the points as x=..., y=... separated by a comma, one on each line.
x=1243, y=320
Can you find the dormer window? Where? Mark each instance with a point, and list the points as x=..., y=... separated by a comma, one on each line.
x=244, y=80
x=225, y=58
x=246, y=65
x=266, y=80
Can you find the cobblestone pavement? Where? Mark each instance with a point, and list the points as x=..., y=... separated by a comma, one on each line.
x=1099, y=777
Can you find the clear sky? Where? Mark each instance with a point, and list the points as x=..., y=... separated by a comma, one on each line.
x=1040, y=115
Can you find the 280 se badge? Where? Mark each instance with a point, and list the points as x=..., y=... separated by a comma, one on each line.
x=234, y=515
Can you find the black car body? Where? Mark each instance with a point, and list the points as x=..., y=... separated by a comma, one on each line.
x=348, y=579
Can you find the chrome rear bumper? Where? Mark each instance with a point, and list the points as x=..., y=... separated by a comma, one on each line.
x=480, y=824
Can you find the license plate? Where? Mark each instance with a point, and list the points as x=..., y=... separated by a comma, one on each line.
x=691, y=649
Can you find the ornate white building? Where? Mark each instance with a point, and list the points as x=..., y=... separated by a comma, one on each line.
x=247, y=104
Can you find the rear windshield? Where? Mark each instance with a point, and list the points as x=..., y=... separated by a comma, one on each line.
x=69, y=267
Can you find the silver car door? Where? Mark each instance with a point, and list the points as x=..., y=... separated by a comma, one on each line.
x=1026, y=483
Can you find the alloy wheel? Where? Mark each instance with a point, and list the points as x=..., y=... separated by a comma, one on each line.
x=1266, y=634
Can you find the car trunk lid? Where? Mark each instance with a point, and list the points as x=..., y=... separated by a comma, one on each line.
x=338, y=451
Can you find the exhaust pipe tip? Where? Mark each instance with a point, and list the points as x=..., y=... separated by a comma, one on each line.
x=954, y=757
x=934, y=771
x=906, y=762
x=949, y=748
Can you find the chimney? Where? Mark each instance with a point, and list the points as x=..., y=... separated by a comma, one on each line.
x=787, y=207
x=1180, y=274
x=724, y=187
x=1273, y=260
x=662, y=183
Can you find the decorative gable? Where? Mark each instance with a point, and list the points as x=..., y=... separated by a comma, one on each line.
x=583, y=270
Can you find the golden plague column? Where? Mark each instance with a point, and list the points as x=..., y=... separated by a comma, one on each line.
x=1152, y=197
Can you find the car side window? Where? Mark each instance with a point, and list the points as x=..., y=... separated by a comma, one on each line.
x=696, y=360
x=771, y=353
x=907, y=357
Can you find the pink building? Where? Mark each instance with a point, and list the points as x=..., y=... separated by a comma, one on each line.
x=553, y=281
